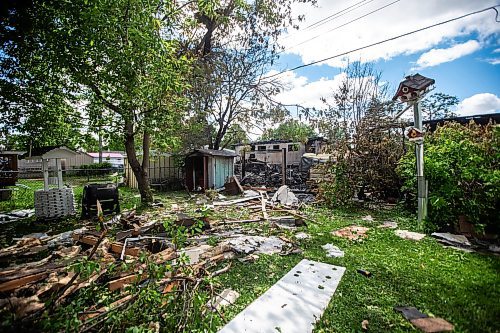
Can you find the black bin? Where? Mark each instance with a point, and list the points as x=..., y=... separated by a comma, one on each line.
x=107, y=194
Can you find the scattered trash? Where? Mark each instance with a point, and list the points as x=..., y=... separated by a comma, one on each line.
x=494, y=248
x=333, y=251
x=405, y=234
x=257, y=244
x=227, y=297
x=430, y=325
x=410, y=312
x=368, y=218
x=351, y=233
x=364, y=273
x=285, y=196
x=364, y=325
x=423, y=321
x=451, y=239
x=16, y=215
x=388, y=225
x=302, y=235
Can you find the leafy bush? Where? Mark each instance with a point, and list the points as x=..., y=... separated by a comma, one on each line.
x=462, y=166
x=366, y=161
x=94, y=166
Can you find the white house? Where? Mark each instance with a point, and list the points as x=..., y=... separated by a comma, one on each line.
x=116, y=159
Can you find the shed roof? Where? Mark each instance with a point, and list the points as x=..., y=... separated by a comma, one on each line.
x=212, y=152
x=49, y=152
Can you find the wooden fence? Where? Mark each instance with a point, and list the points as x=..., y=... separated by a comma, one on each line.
x=165, y=172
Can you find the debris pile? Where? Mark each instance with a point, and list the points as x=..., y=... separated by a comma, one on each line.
x=43, y=271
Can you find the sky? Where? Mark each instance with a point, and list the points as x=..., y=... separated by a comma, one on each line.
x=463, y=56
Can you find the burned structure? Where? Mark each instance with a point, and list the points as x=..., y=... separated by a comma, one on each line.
x=262, y=162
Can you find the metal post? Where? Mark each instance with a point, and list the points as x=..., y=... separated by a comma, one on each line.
x=59, y=174
x=283, y=167
x=419, y=153
x=45, y=170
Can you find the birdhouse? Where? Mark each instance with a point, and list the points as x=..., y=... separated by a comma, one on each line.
x=414, y=134
x=413, y=87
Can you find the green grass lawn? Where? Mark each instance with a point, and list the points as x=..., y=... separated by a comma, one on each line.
x=460, y=287
x=463, y=288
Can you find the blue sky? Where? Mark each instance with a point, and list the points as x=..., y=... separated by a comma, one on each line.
x=462, y=56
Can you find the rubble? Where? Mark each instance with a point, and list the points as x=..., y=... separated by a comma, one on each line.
x=351, y=233
x=257, y=244
x=225, y=298
x=16, y=215
x=451, y=239
x=333, y=251
x=285, y=196
x=405, y=234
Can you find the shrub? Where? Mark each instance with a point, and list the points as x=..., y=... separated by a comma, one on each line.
x=462, y=166
x=366, y=161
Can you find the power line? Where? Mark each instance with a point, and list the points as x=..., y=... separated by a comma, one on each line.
x=383, y=41
x=331, y=17
x=342, y=25
x=335, y=15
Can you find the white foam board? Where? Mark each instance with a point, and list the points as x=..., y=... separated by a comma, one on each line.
x=293, y=304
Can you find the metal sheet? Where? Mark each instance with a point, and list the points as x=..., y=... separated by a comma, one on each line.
x=293, y=304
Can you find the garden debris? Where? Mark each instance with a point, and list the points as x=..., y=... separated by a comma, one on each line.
x=368, y=218
x=494, y=248
x=302, y=235
x=410, y=312
x=364, y=273
x=291, y=295
x=285, y=196
x=333, y=251
x=388, y=225
x=233, y=186
x=227, y=297
x=16, y=215
x=424, y=322
x=257, y=244
x=405, y=234
x=22, y=306
x=352, y=232
x=451, y=239
x=287, y=221
x=430, y=325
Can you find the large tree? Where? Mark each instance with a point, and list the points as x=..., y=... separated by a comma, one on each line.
x=131, y=58
x=439, y=106
x=291, y=129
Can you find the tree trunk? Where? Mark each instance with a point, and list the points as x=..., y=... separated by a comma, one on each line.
x=140, y=171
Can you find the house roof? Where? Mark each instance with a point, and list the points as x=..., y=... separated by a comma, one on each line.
x=212, y=152
x=106, y=154
x=49, y=152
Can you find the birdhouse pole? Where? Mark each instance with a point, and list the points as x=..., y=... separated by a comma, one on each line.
x=411, y=91
x=419, y=153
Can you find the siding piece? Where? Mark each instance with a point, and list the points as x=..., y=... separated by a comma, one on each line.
x=293, y=304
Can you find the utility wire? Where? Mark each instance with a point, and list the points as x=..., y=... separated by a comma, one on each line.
x=383, y=41
x=342, y=25
x=330, y=18
x=337, y=14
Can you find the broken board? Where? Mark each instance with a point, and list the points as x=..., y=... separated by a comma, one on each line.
x=293, y=304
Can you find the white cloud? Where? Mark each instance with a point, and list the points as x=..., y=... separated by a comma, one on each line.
x=435, y=57
x=402, y=17
x=298, y=90
x=479, y=104
x=493, y=61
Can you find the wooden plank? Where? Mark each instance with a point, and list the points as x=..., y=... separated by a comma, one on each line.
x=293, y=304
x=17, y=283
